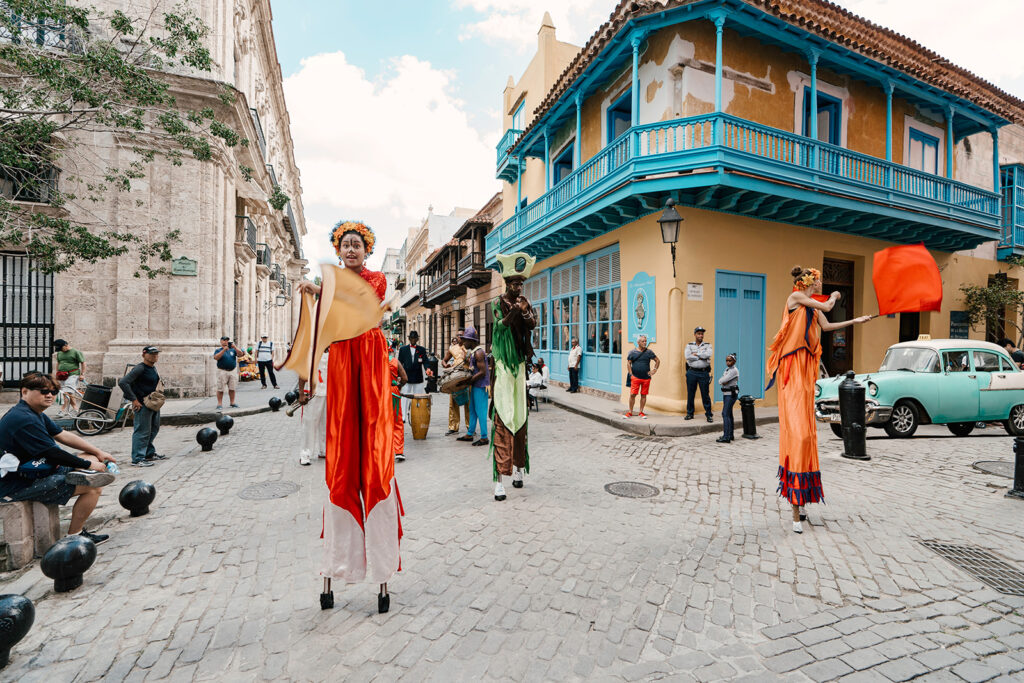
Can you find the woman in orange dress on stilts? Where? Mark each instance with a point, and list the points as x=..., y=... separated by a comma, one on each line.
x=793, y=361
x=361, y=526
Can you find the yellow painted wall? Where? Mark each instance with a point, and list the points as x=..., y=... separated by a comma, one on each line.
x=709, y=241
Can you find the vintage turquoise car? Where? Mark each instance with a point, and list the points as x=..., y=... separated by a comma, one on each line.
x=955, y=382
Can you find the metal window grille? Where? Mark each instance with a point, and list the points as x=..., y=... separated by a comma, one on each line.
x=26, y=300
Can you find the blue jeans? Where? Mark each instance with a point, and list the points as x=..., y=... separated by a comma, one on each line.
x=147, y=424
x=478, y=411
x=728, y=401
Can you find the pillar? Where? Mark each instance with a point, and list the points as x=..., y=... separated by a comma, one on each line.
x=995, y=159
x=579, y=134
x=812, y=57
x=950, y=113
x=547, y=161
x=889, y=87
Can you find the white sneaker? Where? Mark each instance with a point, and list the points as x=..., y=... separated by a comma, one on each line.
x=304, y=458
x=798, y=527
x=499, y=491
x=517, y=478
x=88, y=478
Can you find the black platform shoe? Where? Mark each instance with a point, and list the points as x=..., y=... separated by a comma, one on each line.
x=383, y=601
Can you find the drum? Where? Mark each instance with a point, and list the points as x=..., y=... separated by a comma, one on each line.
x=454, y=380
x=420, y=416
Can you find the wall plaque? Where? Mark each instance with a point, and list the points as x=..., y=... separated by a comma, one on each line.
x=184, y=266
x=695, y=291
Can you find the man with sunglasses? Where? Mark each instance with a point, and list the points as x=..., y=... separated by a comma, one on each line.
x=44, y=472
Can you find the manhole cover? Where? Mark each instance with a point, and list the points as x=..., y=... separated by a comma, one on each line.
x=982, y=565
x=1003, y=468
x=631, y=489
x=266, y=490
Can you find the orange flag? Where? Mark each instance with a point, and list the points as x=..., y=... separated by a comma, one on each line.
x=907, y=280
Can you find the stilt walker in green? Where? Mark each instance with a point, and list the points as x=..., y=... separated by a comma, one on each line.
x=512, y=349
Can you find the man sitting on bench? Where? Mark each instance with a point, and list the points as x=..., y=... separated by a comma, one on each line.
x=45, y=473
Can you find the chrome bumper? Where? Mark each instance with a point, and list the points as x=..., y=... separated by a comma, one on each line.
x=828, y=411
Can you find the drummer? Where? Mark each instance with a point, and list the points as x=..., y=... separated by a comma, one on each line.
x=455, y=357
x=479, y=381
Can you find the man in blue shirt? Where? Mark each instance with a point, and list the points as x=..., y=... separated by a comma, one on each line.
x=227, y=371
x=45, y=472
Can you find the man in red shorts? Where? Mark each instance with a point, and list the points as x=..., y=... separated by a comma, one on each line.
x=640, y=370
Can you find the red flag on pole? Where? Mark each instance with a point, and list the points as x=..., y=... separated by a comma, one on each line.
x=907, y=280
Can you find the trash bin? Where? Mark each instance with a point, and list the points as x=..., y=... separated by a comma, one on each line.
x=96, y=396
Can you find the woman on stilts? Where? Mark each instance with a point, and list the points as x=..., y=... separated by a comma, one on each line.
x=361, y=527
x=793, y=361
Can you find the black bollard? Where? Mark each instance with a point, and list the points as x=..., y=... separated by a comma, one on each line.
x=67, y=560
x=1018, y=469
x=224, y=424
x=747, y=411
x=291, y=397
x=853, y=413
x=17, y=613
x=136, y=497
x=275, y=404
x=206, y=438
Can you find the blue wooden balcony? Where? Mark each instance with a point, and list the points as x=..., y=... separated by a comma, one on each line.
x=1011, y=180
x=724, y=163
x=508, y=168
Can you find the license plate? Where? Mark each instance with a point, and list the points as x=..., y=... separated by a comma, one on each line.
x=835, y=418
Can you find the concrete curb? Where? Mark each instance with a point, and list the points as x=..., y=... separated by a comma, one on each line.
x=650, y=428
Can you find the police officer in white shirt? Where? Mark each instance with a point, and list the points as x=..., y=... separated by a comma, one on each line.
x=265, y=361
x=575, y=358
x=698, y=372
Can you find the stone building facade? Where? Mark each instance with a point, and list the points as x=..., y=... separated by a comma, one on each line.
x=240, y=258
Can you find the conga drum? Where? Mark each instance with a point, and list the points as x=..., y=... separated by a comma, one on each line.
x=420, y=416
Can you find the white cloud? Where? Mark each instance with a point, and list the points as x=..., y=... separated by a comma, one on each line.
x=382, y=151
x=984, y=39
x=517, y=21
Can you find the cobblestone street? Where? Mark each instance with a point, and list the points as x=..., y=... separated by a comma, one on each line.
x=705, y=581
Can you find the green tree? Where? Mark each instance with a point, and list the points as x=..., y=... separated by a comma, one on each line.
x=998, y=303
x=71, y=73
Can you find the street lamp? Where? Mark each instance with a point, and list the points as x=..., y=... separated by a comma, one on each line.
x=669, y=223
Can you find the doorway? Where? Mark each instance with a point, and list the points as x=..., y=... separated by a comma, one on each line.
x=837, y=346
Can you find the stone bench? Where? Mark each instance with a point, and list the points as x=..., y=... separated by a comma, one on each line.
x=30, y=529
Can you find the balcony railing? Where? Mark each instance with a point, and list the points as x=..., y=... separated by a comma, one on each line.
x=273, y=176
x=275, y=273
x=248, y=231
x=1011, y=180
x=20, y=186
x=263, y=254
x=707, y=141
x=508, y=169
x=259, y=131
x=22, y=31
x=507, y=142
x=474, y=260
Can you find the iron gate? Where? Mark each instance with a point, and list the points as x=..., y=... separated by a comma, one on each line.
x=26, y=300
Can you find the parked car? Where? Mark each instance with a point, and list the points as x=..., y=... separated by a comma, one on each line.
x=955, y=382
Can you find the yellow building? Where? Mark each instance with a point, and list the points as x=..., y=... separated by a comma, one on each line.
x=784, y=134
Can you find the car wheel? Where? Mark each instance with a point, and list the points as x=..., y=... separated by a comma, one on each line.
x=904, y=420
x=836, y=429
x=960, y=428
x=1015, y=425
x=90, y=422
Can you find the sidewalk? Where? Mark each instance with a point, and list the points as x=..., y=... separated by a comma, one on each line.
x=611, y=413
x=250, y=397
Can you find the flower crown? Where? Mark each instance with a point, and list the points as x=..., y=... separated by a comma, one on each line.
x=807, y=279
x=364, y=231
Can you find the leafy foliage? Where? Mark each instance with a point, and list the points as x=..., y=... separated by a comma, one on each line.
x=995, y=304
x=70, y=76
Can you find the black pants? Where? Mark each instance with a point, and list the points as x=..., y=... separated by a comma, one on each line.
x=265, y=367
x=574, y=380
x=728, y=401
x=694, y=379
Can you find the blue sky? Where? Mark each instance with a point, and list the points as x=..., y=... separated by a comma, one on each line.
x=395, y=106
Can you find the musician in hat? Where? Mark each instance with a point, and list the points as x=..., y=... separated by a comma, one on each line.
x=478, y=382
x=361, y=528
x=510, y=343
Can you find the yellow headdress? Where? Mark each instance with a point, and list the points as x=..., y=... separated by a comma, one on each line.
x=519, y=264
x=364, y=231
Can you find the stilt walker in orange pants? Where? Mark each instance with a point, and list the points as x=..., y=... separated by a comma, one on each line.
x=398, y=380
x=361, y=523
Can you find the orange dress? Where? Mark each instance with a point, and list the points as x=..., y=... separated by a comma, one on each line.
x=793, y=360
x=396, y=403
x=362, y=525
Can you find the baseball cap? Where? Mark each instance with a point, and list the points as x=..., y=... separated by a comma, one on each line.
x=150, y=349
x=263, y=336
x=225, y=338
x=59, y=344
x=699, y=329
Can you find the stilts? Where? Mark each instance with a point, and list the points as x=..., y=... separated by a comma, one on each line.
x=383, y=599
x=327, y=597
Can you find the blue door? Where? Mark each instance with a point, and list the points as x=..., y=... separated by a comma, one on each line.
x=739, y=328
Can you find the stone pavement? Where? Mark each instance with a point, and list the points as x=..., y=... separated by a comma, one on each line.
x=562, y=581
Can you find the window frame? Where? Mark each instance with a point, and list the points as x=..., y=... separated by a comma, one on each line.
x=565, y=156
x=835, y=125
x=926, y=140
x=518, y=112
x=615, y=110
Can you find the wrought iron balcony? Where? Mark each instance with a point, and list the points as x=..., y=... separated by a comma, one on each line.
x=275, y=273
x=263, y=257
x=247, y=231
x=442, y=288
x=724, y=163
x=45, y=34
x=472, y=273
x=508, y=169
x=259, y=131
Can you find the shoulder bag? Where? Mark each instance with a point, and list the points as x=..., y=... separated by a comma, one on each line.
x=156, y=399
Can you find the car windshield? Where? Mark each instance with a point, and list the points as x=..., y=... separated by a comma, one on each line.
x=915, y=359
